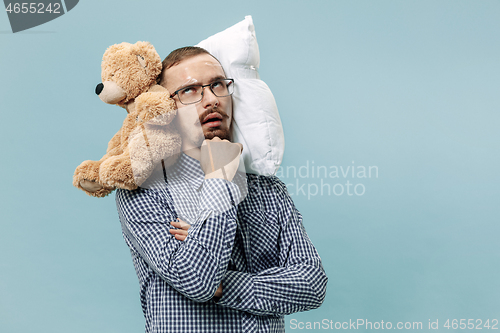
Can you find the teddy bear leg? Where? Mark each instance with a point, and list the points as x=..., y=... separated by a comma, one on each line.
x=86, y=178
x=117, y=171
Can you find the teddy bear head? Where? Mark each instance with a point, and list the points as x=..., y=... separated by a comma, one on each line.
x=127, y=70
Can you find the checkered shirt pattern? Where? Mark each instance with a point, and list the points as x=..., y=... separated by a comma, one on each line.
x=258, y=248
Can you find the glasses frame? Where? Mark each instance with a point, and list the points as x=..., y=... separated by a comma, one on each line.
x=203, y=89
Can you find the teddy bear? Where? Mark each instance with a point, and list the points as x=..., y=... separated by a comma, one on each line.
x=147, y=139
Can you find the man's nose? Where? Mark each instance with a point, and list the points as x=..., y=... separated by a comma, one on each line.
x=208, y=97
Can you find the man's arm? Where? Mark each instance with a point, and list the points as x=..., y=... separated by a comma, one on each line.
x=298, y=283
x=180, y=232
x=195, y=266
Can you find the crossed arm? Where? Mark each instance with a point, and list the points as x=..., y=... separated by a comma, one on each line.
x=196, y=265
x=180, y=232
x=297, y=284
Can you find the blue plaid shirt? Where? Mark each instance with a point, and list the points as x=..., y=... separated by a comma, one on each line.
x=258, y=248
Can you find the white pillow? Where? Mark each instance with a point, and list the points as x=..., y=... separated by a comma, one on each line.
x=256, y=121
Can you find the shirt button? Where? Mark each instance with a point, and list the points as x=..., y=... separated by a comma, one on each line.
x=228, y=244
x=238, y=299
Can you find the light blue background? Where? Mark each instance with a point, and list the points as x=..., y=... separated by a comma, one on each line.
x=411, y=87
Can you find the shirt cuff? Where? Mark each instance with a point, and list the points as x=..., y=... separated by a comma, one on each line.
x=237, y=291
x=218, y=195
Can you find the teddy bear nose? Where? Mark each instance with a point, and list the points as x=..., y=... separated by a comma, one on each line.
x=99, y=88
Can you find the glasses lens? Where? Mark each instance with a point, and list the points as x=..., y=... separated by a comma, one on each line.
x=222, y=88
x=190, y=95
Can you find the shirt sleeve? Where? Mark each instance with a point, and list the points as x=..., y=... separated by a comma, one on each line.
x=195, y=266
x=298, y=283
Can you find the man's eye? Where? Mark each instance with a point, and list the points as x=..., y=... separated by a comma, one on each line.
x=219, y=87
x=189, y=91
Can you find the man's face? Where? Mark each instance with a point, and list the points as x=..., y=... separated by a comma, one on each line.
x=212, y=113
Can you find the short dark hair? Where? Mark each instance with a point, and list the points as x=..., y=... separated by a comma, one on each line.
x=177, y=55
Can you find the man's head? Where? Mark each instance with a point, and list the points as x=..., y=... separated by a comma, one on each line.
x=184, y=71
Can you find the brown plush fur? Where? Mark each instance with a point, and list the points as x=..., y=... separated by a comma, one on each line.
x=146, y=138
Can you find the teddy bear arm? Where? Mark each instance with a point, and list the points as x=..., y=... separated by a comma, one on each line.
x=156, y=108
x=158, y=88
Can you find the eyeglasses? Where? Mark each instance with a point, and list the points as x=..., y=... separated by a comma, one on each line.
x=194, y=94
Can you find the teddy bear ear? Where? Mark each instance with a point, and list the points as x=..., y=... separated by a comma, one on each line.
x=142, y=61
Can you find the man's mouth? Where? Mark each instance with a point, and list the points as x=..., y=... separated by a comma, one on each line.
x=214, y=119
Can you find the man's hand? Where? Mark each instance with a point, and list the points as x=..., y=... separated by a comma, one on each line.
x=220, y=158
x=182, y=229
x=218, y=293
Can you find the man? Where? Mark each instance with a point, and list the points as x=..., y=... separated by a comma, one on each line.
x=211, y=254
